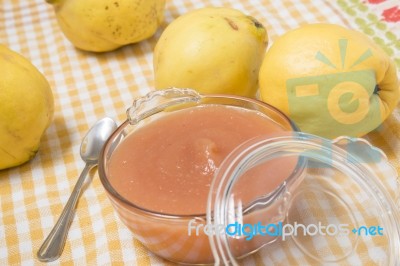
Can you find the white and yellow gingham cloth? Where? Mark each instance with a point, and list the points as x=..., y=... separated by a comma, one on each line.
x=89, y=86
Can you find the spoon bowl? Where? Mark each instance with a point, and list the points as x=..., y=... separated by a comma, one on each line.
x=91, y=147
x=94, y=140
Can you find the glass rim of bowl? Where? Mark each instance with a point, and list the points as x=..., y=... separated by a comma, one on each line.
x=117, y=133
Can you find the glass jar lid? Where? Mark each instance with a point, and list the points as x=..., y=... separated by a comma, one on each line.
x=301, y=199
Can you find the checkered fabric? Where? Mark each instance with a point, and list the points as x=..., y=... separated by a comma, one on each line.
x=88, y=86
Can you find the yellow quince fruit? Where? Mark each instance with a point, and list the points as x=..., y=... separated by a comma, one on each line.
x=26, y=108
x=329, y=80
x=211, y=50
x=104, y=25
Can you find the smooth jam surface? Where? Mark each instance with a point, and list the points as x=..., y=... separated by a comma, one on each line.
x=167, y=165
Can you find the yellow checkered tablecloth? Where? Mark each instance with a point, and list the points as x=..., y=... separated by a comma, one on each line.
x=89, y=86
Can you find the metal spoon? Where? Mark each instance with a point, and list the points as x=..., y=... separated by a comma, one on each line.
x=91, y=146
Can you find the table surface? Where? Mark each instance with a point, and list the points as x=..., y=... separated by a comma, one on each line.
x=89, y=86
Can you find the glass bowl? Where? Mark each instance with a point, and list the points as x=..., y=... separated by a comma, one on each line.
x=181, y=238
x=336, y=202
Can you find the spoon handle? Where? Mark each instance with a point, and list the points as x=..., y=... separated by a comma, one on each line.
x=53, y=246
